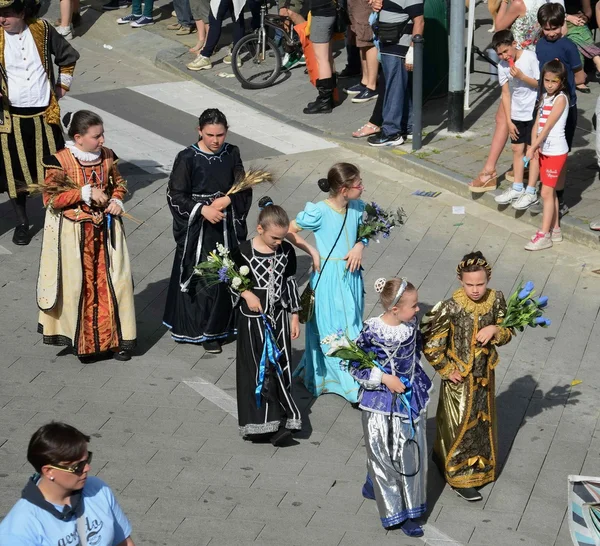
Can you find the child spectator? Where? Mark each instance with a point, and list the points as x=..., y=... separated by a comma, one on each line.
x=553, y=46
x=518, y=74
x=550, y=145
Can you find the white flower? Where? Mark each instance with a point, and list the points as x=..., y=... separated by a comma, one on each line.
x=329, y=339
x=228, y=263
x=340, y=343
x=244, y=270
x=222, y=250
x=236, y=282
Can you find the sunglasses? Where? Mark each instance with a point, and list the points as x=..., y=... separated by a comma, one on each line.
x=77, y=468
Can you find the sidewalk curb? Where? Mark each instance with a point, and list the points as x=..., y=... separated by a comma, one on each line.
x=574, y=229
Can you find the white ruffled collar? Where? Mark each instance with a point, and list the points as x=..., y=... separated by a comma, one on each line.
x=398, y=334
x=80, y=154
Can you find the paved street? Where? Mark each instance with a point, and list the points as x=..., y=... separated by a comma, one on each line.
x=163, y=426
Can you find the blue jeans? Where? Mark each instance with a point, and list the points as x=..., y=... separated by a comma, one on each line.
x=184, y=13
x=136, y=7
x=397, y=103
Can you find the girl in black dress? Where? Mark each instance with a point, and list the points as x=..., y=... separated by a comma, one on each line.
x=203, y=215
x=266, y=408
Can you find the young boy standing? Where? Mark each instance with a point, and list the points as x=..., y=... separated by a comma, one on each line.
x=518, y=75
x=552, y=45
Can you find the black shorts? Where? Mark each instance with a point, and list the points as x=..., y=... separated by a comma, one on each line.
x=524, y=128
x=571, y=124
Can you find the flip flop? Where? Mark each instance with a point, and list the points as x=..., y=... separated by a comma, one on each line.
x=366, y=130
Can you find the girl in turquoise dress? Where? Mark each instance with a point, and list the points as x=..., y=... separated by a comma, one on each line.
x=339, y=295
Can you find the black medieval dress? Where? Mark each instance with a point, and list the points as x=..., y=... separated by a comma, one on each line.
x=196, y=312
x=274, y=283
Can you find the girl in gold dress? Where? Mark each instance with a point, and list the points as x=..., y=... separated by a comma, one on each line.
x=460, y=339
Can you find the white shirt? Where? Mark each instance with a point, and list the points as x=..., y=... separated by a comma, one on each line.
x=28, y=84
x=523, y=96
x=555, y=143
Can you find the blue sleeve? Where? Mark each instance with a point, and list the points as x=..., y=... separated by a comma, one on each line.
x=310, y=218
x=122, y=527
x=20, y=527
x=572, y=55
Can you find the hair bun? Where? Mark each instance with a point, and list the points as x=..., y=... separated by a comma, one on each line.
x=380, y=285
x=265, y=202
x=67, y=118
x=324, y=185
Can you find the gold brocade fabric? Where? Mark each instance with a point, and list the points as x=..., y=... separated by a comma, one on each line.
x=465, y=446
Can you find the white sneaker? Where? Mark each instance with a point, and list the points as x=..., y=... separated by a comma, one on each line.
x=508, y=196
x=525, y=201
x=200, y=63
x=540, y=241
x=65, y=32
x=557, y=236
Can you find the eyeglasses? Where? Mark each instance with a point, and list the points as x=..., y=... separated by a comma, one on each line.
x=77, y=468
x=358, y=186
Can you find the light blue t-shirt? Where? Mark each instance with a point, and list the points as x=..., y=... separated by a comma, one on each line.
x=106, y=524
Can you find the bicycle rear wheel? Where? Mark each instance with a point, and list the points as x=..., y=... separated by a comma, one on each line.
x=252, y=68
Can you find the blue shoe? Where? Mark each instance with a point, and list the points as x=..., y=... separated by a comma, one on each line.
x=355, y=89
x=367, y=490
x=412, y=529
x=131, y=18
x=365, y=95
x=143, y=21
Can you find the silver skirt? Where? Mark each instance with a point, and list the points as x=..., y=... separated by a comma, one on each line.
x=391, y=463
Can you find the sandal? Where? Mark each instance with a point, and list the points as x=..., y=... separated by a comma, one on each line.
x=480, y=186
x=367, y=129
x=584, y=89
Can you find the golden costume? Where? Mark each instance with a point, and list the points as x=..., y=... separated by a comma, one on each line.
x=466, y=439
x=85, y=289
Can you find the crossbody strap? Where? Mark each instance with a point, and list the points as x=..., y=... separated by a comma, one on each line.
x=332, y=249
x=81, y=530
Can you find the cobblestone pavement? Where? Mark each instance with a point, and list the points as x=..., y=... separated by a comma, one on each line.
x=162, y=427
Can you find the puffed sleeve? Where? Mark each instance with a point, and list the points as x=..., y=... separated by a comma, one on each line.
x=241, y=201
x=504, y=335
x=179, y=188
x=54, y=177
x=310, y=218
x=290, y=280
x=368, y=378
x=435, y=330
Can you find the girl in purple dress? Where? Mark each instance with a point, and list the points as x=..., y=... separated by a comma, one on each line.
x=394, y=397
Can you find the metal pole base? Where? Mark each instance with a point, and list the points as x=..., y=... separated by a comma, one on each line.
x=455, y=111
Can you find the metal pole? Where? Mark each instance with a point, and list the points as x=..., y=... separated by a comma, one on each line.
x=456, y=76
x=417, y=91
x=470, y=31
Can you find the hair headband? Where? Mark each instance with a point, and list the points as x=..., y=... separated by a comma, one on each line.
x=380, y=285
x=474, y=261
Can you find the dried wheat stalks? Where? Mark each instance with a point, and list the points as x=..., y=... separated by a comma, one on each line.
x=250, y=179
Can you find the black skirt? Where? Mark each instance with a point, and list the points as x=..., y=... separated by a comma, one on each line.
x=23, y=149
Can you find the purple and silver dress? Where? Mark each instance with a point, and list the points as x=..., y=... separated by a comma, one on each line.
x=394, y=425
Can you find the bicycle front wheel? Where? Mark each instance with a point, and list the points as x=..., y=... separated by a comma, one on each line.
x=253, y=66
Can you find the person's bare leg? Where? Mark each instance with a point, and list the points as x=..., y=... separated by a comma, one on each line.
x=498, y=141
x=66, y=12
x=323, y=56
x=550, y=204
x=202, y=29
x=372, y=65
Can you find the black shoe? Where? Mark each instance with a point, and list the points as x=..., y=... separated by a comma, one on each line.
x=468, y=493
x=21, y=235
x=116, y=4
x=324, y=102
x=365, y=95
x=212, y=347
x=76, y=19
x=347, y=73
x=88, y=359
x=383, y=140
x=280, y=437
x=563, y=210
x=122, y=355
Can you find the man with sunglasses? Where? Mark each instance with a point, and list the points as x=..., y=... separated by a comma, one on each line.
x=61, y=504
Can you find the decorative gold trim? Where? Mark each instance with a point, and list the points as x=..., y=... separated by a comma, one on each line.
x=10, y=178
x=463, y=429
x=50, y=138
x=21, y=151
x=39, y=147
x=481, y=307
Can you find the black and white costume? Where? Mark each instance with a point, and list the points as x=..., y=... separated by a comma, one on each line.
x=274, y=283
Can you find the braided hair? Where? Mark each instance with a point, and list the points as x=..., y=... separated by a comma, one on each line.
x=474, y=261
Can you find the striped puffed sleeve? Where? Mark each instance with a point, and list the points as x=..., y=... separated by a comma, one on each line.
x=65, y=57
x=290, y=279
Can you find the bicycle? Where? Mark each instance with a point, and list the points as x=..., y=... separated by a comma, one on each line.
x=256, y=59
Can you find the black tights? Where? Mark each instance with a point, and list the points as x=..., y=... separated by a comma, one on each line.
x=20, y=206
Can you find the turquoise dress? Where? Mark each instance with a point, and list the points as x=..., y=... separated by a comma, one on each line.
x=339, y=299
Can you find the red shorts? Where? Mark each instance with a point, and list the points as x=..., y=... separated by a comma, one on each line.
x=550, y=167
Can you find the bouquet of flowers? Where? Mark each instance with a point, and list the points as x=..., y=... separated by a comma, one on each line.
x=219, y=267
x=523, y=310
x=377, y=220
x=341, y=346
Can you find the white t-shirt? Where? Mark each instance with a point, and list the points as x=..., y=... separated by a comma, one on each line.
x=555, y=143
x=523, y=96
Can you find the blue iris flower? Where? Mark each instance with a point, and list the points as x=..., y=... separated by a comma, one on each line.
x=539, y=320
x=223, y=275
x=548, y=322
x=542, y=302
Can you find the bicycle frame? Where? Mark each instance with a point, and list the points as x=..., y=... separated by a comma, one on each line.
x=276, y=22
